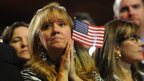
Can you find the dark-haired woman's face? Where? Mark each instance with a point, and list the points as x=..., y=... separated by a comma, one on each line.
x=19, y=42
x=131, y=49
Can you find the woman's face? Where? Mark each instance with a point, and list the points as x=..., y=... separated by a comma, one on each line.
x=55, y=34
x=19, y=42
x=131, y=49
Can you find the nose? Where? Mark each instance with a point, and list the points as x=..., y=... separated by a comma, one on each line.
x=131, y=12
x=24, y=42
x=56, y=29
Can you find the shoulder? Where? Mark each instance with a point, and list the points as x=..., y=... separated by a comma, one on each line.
x=28, y=75
x=7, y=53
x=9, y=72
x=8, y=69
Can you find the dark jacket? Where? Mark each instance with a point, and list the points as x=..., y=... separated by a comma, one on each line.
x=8, y=69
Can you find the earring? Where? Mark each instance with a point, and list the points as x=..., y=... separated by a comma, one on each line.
x=43, y=54
x=118, y=55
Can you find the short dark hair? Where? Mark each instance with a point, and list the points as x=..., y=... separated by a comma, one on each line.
x=9, y=30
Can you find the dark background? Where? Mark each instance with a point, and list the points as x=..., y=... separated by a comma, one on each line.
x=23, y=10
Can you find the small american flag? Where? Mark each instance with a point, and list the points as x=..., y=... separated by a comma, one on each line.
x=87, y=34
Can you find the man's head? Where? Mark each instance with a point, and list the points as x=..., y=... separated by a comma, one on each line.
x=131, y=10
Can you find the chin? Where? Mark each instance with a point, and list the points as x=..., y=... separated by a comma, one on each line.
x=59, y=46
x=136, y=22
x=25, y=56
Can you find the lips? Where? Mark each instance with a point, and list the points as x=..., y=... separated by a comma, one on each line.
x=56, y=38
x=24, y=51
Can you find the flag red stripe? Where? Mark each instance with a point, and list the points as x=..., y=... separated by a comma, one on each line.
x=87, y=40
x=87, y=36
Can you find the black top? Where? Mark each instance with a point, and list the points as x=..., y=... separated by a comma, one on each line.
x=8, y=69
